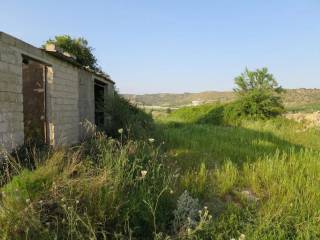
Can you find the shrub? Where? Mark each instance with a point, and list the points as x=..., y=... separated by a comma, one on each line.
x=214, y=116
x=258, y=95
x=257, y=104
x=78, y=47
x=123, y=115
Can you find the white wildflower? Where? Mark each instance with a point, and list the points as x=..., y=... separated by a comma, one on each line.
x=144, y=173
x=28, y=200
x=120, y=130
x=151, y=140
x=242, y=237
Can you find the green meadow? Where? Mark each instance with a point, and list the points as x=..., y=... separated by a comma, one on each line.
x=193, y=175
x=259, y=178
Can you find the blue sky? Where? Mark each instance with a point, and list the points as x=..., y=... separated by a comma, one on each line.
x=150, y=46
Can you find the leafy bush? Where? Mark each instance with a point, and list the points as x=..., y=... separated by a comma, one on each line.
x=258, y=95
x=215, y=116
x=78, y=47
x=123, y=115
x=255, y=105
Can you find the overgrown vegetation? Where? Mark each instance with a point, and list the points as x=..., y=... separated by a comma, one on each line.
x=77, y=47
x=204, y=172
x=134, y=122
x=257, y=179
x=258, y=93
x=101, y=189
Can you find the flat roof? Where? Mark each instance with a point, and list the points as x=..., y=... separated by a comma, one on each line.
x=17, y=42
x=72, y=61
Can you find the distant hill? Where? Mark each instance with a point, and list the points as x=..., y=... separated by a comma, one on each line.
x=180, y=99
x=293, y=98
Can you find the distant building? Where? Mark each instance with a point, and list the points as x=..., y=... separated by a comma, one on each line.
x=197, y=102
x=45, y=95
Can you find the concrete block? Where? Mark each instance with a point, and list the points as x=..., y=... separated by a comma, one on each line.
x=9, y=58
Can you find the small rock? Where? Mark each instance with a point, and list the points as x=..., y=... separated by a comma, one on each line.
x=248, y=195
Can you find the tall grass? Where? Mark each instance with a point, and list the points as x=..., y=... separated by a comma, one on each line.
x=199, y=179
x=261, y=178
x=102, y=189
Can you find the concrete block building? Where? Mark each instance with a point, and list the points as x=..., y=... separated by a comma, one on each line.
x=46, y=95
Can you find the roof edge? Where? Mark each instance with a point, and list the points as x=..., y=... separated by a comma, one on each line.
x=72, y=61
x=13, y=41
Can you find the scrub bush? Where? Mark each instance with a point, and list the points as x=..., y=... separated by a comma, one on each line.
x=134, y=122
x=258, y=93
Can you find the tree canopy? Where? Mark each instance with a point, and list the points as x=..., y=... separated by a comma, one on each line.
x=259, y=94
x=256, y=80
x=78, y=47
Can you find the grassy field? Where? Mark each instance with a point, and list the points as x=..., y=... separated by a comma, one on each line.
x=193, y=177
x=261, y=179
x=309, y=108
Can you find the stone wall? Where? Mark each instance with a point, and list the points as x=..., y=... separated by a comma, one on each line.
x=69, y=95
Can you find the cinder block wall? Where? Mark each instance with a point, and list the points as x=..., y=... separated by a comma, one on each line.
x=70, y=95
x=63, y=96
x=11, y=106
x=86, y=103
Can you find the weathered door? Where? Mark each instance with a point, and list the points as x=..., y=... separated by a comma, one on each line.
x=99, y=99
x=34, y=112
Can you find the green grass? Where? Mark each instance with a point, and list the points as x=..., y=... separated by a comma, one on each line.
x=199, y=179
x=93, y=191
x=276, y=161
x=312, y=107
x=190, y=114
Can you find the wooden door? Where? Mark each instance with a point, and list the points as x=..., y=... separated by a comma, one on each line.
x=34, y=112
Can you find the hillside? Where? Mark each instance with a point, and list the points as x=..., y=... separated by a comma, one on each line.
x=300, y=99
x=179, y=99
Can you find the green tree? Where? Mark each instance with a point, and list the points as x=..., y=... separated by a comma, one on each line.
x=256, y=80
x=259, y=94
x=78, y=47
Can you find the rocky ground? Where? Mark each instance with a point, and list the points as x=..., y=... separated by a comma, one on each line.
x=311, y=119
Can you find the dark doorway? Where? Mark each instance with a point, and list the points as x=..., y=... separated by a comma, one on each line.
x=34, y=95
x=99, y=101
